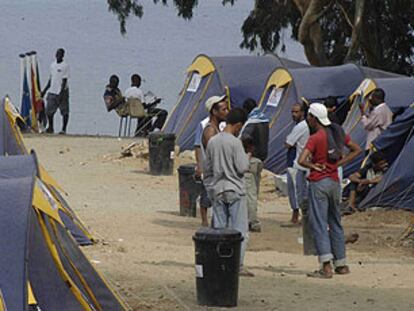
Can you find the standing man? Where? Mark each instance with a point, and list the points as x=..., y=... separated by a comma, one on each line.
x=58, y=96
x=225, y=166
x=323, y=159
x=255, y=138
x=296, y=174
x=218, y=109
x=377, y=118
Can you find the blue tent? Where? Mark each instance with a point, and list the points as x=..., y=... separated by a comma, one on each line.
x=399, y=94
x=11, y=144
x=285, y=87
x=40, y=264
x=15, y=202
x=396, y=189
x=240, y=77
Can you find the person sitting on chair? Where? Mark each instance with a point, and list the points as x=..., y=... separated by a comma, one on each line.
x=144, y=125
x=113, y=96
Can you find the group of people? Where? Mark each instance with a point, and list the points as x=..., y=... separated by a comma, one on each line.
x=231, y=145
x=375, y=118
x=57, y=90
x=115, y=100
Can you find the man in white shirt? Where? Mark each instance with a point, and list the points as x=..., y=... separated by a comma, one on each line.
x=297, y=174
x=58, y=96
x=134, y=91
x=144, y=124
x=377, y=118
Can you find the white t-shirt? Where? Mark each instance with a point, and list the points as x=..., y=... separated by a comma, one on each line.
x=58, y=72
x=298, y=138
x=134, y=92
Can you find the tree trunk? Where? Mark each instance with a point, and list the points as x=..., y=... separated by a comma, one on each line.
x=356, y=37
x=370, y=42
x=310, y=33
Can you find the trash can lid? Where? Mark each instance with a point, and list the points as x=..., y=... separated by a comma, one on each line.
x=211, y=234
x=161, y=135
x=187, y=168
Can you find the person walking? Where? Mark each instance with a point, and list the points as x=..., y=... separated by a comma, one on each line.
x=322, y=155
x=255, y=138
x=58, y=96
x=296, y=175
x=218, y=108
x=225, y=166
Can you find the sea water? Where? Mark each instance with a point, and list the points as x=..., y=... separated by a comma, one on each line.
x=159, y=47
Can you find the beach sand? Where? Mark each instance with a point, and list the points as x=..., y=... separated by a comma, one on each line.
x=146, y=251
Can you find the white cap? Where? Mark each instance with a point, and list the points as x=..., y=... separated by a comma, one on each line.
x=213, y=100
x=320, y=112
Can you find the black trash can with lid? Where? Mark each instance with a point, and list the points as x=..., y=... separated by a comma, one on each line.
x=161, y=153
x=217, y=259
x=189, y=188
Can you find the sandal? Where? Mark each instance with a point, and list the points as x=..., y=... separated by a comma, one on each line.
x=342, y=270
x=320, y=274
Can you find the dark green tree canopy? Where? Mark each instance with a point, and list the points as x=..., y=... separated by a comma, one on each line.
x=379, y=34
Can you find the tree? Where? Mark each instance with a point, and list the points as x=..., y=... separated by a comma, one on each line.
x=379, y=34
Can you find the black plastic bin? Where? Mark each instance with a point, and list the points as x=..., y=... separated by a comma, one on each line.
x=161, y=153
x=189, y=190
x=217, y=259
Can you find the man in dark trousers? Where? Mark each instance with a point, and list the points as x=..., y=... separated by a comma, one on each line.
x=145, y=125
x=255, y=138
x=58, y=96
x=322, y=155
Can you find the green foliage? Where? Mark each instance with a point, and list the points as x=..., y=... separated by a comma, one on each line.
x=385, y=37
x=263, y=27
x=123, y=9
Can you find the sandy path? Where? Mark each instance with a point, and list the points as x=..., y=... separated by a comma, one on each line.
x=146, y=249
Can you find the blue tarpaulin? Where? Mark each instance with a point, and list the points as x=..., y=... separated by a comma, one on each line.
x=396, y=188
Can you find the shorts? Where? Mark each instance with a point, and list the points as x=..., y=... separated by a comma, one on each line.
x=54, y=102
x=204, y=200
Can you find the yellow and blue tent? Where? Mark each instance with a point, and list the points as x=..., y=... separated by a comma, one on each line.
x=41, y=264
x=239, y=77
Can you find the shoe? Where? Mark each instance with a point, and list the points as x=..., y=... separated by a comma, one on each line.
x=342, y=270
x=62, y=133
x=320, y=274
x=244, y=272
x=49, y=130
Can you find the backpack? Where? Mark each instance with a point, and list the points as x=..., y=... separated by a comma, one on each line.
x=336, y=142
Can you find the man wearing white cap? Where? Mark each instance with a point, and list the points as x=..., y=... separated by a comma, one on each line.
x=218, y=109
x=322, y=155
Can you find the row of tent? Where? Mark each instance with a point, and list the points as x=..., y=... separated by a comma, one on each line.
x=276, y=84
x=41, y=265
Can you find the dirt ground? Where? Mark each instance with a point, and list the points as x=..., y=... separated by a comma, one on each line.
x=146, y=251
